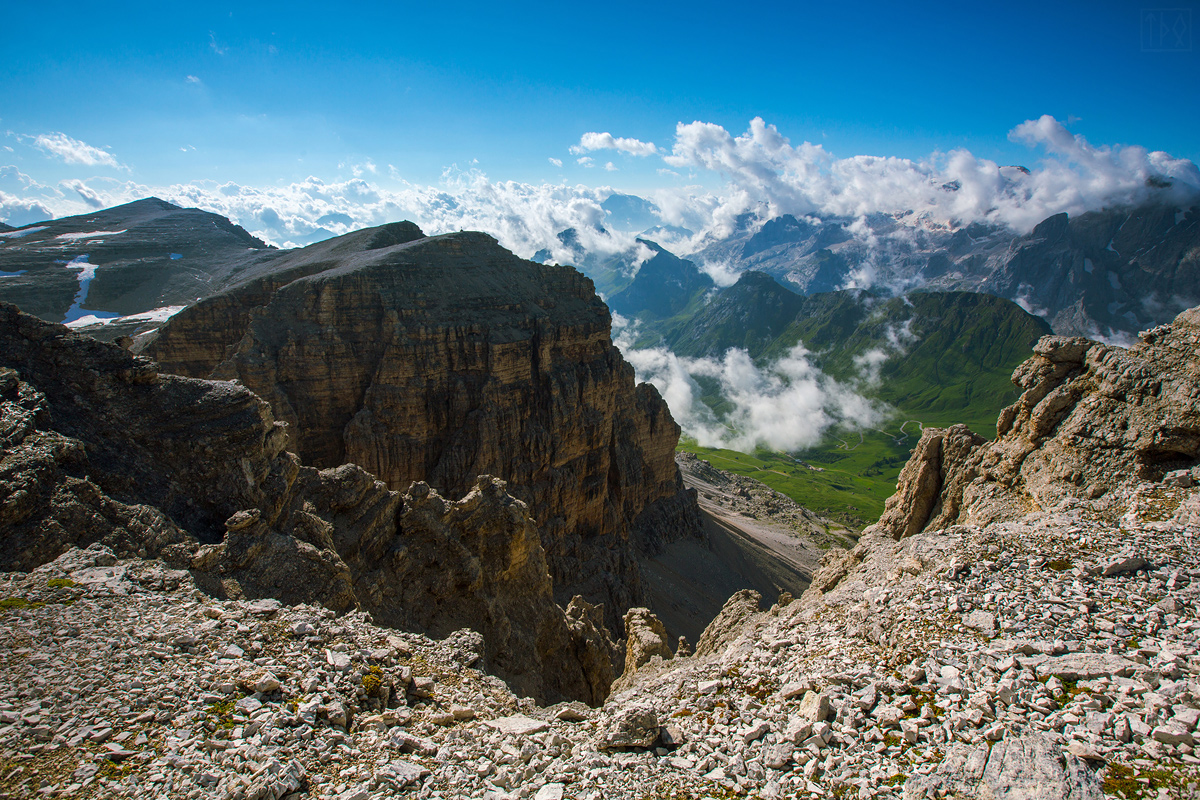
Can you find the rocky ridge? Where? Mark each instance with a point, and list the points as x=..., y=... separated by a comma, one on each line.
x=99, y=447
x=441, y=358
x=1092, y=419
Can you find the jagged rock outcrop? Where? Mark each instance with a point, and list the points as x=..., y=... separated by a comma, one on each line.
x=98, y=446
x=442, y=358
x=728, y=624
x=1092, y=418
x=645, y=638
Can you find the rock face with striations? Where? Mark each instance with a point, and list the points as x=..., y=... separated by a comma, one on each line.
x=442, y=358
x=97, y=446
x=1091, y=418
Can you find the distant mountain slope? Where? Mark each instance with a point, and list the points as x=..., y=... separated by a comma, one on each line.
x=664, y=286
x=928, y=353
x=125, y=260
x=936, y=358
x=1104, y=272
x=1109, y=273
x=752, y=313
x=947, y=353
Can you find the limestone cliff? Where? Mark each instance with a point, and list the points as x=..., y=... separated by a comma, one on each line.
x=97, y=446
x=1092, y=418
x=441, y=358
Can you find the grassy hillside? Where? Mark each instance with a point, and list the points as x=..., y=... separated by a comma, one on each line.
x=950, y=356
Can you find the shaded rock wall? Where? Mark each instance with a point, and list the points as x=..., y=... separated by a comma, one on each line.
x=100, y=447
x=1092, y=418
x=448, y=357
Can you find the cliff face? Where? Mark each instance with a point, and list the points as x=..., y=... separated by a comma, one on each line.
x=1092, y=418
x=97, y=446
x=447, y=357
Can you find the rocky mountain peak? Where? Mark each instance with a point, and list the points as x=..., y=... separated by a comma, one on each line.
x=446, y=357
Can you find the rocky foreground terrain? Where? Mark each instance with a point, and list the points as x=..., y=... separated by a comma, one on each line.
x=1042, y=642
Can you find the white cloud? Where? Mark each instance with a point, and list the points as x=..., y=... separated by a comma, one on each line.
x=525, y=218
x=722, y=272
x=610, y=167
x=193, y=79
x=18, y=211
x=786, y=405
x=73, y=151
x=766, y=172
x=216, y=48
x=606, y=141
x=555, y=161
x=91, y=197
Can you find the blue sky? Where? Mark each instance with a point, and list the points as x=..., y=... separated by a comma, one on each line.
x=269, y=94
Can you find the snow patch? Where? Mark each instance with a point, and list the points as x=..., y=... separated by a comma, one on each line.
x=104, y=317
x=1088, y=266
x=22, y=232
x=1114, y=280
x=86, y=273
x=89, y=235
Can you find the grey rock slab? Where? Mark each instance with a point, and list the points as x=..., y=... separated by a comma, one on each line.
x=518, y=725
x=401, y=773
x=1018, y=768
x=1123, y=564
x=814, y=707
x=1087, y=666
x=634, y=727
x=982, y=621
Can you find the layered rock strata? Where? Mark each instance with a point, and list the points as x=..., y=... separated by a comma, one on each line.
x=442, y=358
x=1092, y=418
x=98, y=446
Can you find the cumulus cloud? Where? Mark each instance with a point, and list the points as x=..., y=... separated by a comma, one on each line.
x=90, y=196
x=18, y=211
x=786, y=405
x=555, y=161
x=767, y=173
x=606, y=141
x=525, y=218
x=73, y=151
x=722, y=272
x=610, y=166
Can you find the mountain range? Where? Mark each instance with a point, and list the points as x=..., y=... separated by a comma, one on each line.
x=1107, y=274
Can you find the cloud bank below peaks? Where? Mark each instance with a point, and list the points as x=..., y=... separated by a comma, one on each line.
x=787, y=405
